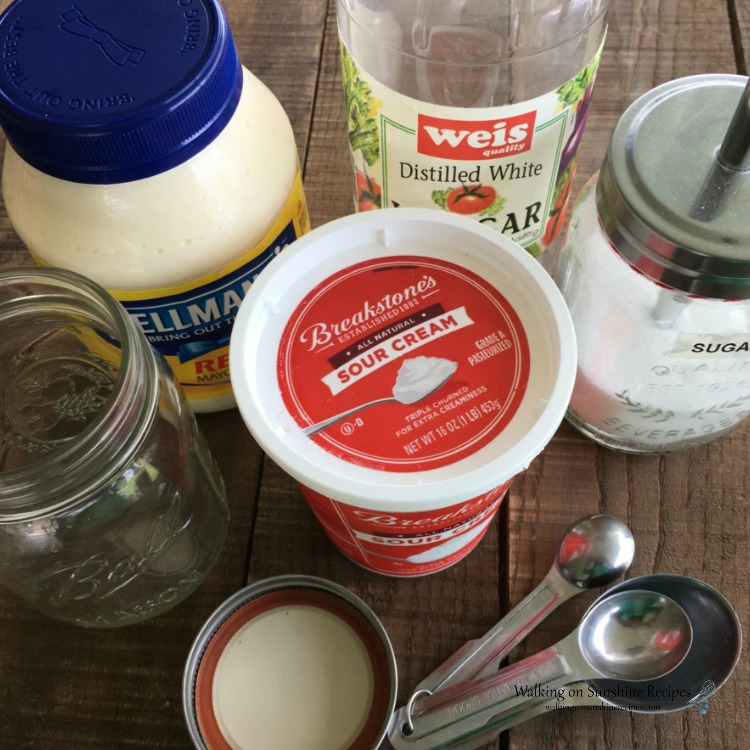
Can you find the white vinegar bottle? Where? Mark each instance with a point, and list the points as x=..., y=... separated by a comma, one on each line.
x=476, y=107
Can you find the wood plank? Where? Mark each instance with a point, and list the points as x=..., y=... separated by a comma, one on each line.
x=687, y=510
x=739, y=11
x=120, y=689
x=328, y=183
x=650, y=43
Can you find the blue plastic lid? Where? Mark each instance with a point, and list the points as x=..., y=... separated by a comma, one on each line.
x=103, y=91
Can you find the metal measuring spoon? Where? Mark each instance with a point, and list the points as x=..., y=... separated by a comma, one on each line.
x=717, y=639
x=715, y=652
x=594, y=551
x=631, y=635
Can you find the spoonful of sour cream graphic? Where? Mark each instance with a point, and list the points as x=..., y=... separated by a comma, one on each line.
x=417, y=378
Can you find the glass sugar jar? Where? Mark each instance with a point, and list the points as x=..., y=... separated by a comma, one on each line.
x=111, y=508
x=656, y=272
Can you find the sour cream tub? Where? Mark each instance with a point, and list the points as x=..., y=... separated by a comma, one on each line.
x=403, y=366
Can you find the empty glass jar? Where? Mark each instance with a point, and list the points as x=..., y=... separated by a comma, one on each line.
x=111, y=508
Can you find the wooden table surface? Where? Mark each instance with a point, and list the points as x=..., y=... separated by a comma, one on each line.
x=62, y=687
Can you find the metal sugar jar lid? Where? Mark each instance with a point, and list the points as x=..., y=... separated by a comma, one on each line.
x=674, y=190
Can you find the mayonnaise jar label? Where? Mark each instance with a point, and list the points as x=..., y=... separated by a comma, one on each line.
x=403, y=364
x=190, y=324
x=509, y=167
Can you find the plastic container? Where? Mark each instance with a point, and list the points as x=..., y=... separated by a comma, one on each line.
x=470, y=106
x=656, y=272
x=403, y=366
x=142, y=155
x=111, y=508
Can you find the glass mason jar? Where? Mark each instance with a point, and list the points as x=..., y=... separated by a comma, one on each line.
x=476, y=107
x=111, y=508
x=656, y=272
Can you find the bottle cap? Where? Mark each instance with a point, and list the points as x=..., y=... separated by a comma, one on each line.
x=669, y=204
x=109, y=91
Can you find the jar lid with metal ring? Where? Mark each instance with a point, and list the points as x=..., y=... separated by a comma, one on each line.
x=292, y=661
x=674, y=189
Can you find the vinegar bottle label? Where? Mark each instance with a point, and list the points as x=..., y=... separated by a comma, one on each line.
x=509, y=167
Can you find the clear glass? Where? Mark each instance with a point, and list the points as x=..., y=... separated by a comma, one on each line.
x=111, y=507
x=473, y=53
x=658, y=369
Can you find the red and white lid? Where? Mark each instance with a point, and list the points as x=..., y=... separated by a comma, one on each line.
x=403, y=357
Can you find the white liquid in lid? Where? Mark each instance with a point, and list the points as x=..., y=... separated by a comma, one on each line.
x=294, y=677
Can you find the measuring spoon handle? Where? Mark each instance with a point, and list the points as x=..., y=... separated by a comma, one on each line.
x=480, y=657
x=574, y=695
x=460, y=712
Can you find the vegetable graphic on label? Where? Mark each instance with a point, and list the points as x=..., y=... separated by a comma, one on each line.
x=364, y=135
x=505, y=165
x=368, y=192
x=575, y=93
x=559, y=211
x=417, y=378
x=362, y=110
x=469, y=200
x=581, y=110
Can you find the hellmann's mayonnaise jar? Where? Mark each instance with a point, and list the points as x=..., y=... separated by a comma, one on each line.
x=144, y=156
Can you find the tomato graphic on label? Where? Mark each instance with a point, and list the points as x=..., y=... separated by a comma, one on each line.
x=368, y=192
x=469, y=200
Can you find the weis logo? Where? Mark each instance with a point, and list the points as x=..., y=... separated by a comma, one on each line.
x=475, y=139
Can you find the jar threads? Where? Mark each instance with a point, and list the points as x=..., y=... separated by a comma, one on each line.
x=111, y=508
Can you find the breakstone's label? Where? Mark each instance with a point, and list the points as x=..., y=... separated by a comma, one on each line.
x=403, y=364
x=190, y=324
x=407, y=544
x=509, y=167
